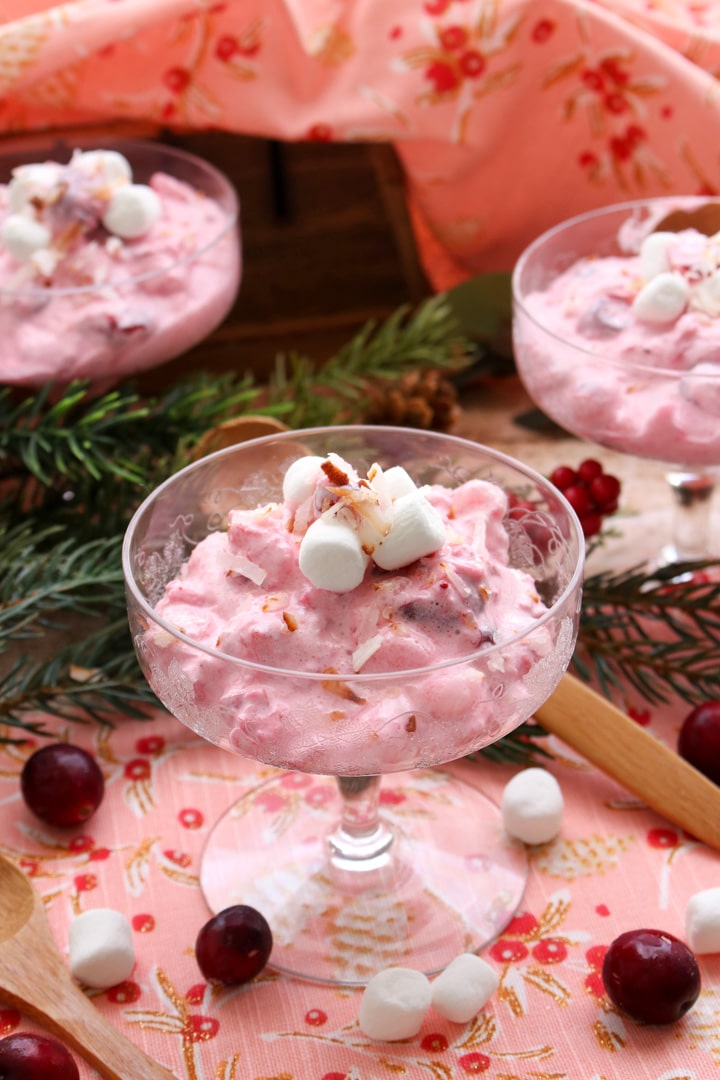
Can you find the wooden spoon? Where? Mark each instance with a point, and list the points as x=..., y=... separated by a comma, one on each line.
x=35, y=980
x=640, y=762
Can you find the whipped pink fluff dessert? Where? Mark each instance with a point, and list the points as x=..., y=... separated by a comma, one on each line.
x=361, y=625
x=101, y=276
x=624, y=348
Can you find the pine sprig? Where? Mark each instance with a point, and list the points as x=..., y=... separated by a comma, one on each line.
x=658, y=631
x=337, y=392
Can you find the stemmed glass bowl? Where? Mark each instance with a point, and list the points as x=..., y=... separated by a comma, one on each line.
x=159, y=296
x=648, y=390
x=352, y=875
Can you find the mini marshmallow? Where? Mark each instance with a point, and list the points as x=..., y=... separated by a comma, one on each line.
x=464, y=987
x=662, y=299
x=702, y=921
x=107, y=167
x=532, y=806
x=654, y=254
x=131, y=211
x=101, y=948
x=393, y=482
x=417, y=529
x=22, y=236
x=300, y=480
x=394, y=1004
x=37, y=180
x=706, y=295
x=331, y=555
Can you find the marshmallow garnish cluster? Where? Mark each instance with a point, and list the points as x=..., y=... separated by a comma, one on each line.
x=347, y=521
x=395, y=1001
x=679, y=272
x=53, y=207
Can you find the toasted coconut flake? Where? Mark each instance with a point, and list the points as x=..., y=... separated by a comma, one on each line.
x=240, y=564
x=365, y=650
x=411, y=726
x=342, y=690
x=456, y=581
x=337, y=476
x=290, y=621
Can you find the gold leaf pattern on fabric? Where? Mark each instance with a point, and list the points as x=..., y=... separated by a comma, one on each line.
x=20, y=46
x=607, y=1038
x=331, y=46
x=581, y=857
x=481, y=1030
x=540, y=978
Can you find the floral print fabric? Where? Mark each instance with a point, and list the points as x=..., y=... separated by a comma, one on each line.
x=508, y=115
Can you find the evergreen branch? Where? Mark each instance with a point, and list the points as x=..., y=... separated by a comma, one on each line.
x=428, y=337
x=659, y=632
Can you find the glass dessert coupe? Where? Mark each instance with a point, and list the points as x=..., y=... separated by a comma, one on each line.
x=625, y=397
x=351, y=875
x=153, y=299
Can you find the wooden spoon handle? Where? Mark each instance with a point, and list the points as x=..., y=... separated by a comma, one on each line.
x=54, y=1001
x=616, y=744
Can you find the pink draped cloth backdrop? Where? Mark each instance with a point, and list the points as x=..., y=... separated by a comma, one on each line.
x=507, y=115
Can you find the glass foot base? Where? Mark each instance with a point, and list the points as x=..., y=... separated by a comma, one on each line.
x=451, y=882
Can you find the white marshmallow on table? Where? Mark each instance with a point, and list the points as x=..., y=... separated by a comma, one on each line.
x=131, y=211
x=532, y=806
x=654, y=254
x=300, y=480
x=331, y=556
x=662, y=300
x=394, y=1004
x=109, y=167
x=101, y=948
x=22, y=236
x=702, y=921
x=464, y=987
x=417, y=530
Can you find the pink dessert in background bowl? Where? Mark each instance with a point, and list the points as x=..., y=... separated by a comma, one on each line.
x=616, y=327
x=114, y=258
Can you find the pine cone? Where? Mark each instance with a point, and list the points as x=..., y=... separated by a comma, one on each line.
x=418, y=399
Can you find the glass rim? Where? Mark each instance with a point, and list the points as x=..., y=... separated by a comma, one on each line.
x=501, y=458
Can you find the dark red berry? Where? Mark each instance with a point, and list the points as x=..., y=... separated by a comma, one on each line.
x=604, y=490
x=62, y=784
x=25, y=1056
x=589, y=469
x=699, y=739
x=234, y=946
x=579, y=498
x=651, y=976
x=563, y=477
x=591, y=524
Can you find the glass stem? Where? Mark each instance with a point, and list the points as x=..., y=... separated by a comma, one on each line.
x=361, y=841
x=692, y=493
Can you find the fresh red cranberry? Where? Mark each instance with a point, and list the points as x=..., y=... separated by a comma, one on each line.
x=699, y=739
x=579, y=498
x=24, y=1056
x=604, y=491
x=589, y=469
x=563, y=476
x=62, y=784
x=234, y=946
x=651, y=976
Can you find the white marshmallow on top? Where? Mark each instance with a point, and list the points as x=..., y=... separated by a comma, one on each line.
x=132, y=211
x=38, y=180
x=464, y=988
x=394, y=1004
x=331, y=555
x=391, y=483
x=662, y=300
x=654, y=258
x=532, y=806
x=101, y=948
x=702, y=921
x=22, y=236
x=300, y=480
x=416, y=530
x=108, y=167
